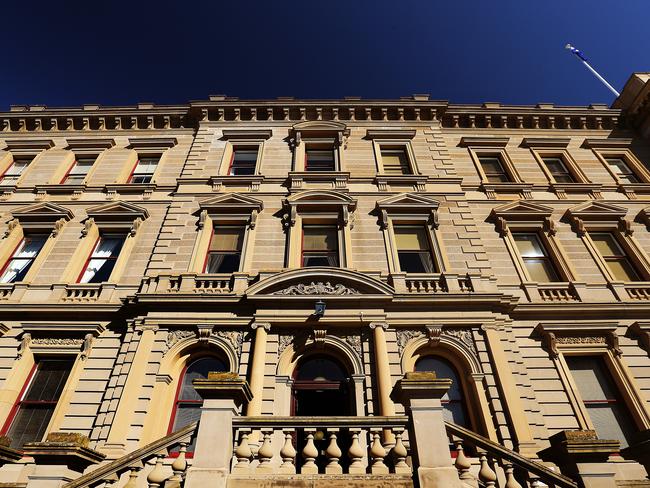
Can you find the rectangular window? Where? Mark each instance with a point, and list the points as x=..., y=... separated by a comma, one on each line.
x=102, y=260
x=78, y=171
x=320, y=245
x=22, y=258
x=414, y=249
x=536, y=259
x=320, y=158
x=224, y=254
x=33, y=411
x=244, y=160
x=14, y=171
x=622, y=170
x=144, y=170
x=395, y=161
x=601, y=398
x=618, y=262
x=559, y=170
x=494, y=169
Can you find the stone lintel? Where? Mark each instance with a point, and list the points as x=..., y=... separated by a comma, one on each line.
x=223, y=386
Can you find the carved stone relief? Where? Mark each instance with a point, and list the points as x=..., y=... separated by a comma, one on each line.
x=435, y=335
x=234, y=337
x=318, y=288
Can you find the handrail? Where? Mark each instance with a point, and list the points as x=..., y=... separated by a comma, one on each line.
x=546, y=474
x=284, y=422
x=125, y=461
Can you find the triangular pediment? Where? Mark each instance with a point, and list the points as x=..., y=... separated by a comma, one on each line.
x=42, y=212
x=328, y=283
x=522, y=210
x=232, y=201
x=117, y=211
x=408, y=201
x=596, y=211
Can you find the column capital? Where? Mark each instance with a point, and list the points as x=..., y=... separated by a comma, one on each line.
x=264, y=325
x=382, y=325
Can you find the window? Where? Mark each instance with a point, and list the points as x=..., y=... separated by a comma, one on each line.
x=144, y=170
x=494, y=170
x=224, y=253
x=320, y=158
x=622, y=170
x=32, y=412
x=559, y=170
x=535, y=256
x=78, y=171
x=22, y=258
x=606, y=409
x=453, y=402
x=102, y=260
x=414, y=249
x=14, y=171
x=320, y=245
x=395, y=160
x=618, y=262
x=244, y=161
x=187, y=405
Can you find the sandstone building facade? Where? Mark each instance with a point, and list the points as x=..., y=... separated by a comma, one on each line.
x=319, y=252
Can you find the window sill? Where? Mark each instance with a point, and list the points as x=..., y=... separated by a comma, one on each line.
x=131, y=187
x=631, y=189
x=249, y=182
x=60, y=189
x=329, y=180
x=388, y=182
x=561, y=189
x=492, y=189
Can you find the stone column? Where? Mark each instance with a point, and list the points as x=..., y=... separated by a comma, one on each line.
x=382, y=366
x=581, y=455
x=60, y=459
x=116, y=443
x=257, y=368
x=511, y=399
x=223, y=394
x=420, y=393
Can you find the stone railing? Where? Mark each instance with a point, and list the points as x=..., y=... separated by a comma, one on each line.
x=549, y=292
x=498, y=464
x=150, y=465
x=638, y=292
x=421, y=283
x=193, y=283
x=321, y=445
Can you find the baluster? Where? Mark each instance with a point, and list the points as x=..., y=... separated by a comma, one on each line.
x=243, y=454
x=288, y=454
x=511, y=481
x=462, y=463
x=356, y=455
x=180, y=464
x=333, y=453
x=309, y=453
x=265, y=454
x=535, y=482
x=486, y=474
x=400, y=453
x=133, y=477
x=377, y=453
x=157, y=475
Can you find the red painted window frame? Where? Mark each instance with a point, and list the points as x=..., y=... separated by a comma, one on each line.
x=90, y=255
x=2, y=176
x=11, y=256
x=207, y=252
x=133, y=170
x=67, y=173
x=302, y=243
x=14, y=410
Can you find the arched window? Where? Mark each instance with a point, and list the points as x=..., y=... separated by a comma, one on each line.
x=321, y=387
x=187, y=404
x=454, y=400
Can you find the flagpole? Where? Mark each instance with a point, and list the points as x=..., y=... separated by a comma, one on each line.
x=583, y=60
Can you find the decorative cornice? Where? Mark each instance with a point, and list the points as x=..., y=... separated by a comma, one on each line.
x=607, y=143
x=390, y=134
x=545, y=142
x=484, y=141
x=246, y=134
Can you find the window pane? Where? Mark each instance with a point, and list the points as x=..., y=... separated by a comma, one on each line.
x=30, y=424
x=529, y=245
x=395, y=161
x=227, y=238
x=319, y=160
x=559, y=170
x=541, y=270
x=320, y=238
x=493, y=169
x=146, y=165
x=108, y=246
x=622, y=269
x=221, y=262
x=321, y=369
x=49, y=380
x=314, y=259
x=611, y=421
x=19, y=264
x=411, y=238
x=621, y=169
x=244, y=161
x=199, y=369
x=606, y=244
x=103, y=259
x=416, y=262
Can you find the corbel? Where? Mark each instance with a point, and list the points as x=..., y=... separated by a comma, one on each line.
x=118, y=123
x=253, y=113
x=11, y=226
x=319, y=338
x=290, y=217
x=345, y=215
x=24, y=344
x=578, y=226
x=204, y=114
x=58, y=225
x=383, y=219
x=69, y=123
x=501, y=225
x=549, y=226
x=6, y=125
x=101, y=123
x=641, y=330
x=134, y=122
x=150, y=122
x=612, y=342
x=433, y=218
x=166, y=122
x=549, y=341
x=625, y=226
x=88, y=224
x=253, y=221
x=38, y=125
x=136, y=225
x=22, y=125
x=204, y=331
x=85, y=123
x=86, y=346
x=433, y=335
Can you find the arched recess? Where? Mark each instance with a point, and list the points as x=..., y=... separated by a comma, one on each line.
x=300, y=349
x=464, y=360
x=170, y=373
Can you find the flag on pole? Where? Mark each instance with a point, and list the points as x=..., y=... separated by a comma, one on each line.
x=577, y=52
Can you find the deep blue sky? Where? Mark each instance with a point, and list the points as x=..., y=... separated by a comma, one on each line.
x=120, y=52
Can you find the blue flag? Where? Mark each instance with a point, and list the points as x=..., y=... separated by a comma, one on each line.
x=578, y=53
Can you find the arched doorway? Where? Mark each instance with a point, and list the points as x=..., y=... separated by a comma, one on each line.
x=321, y=387
x=454, y=404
